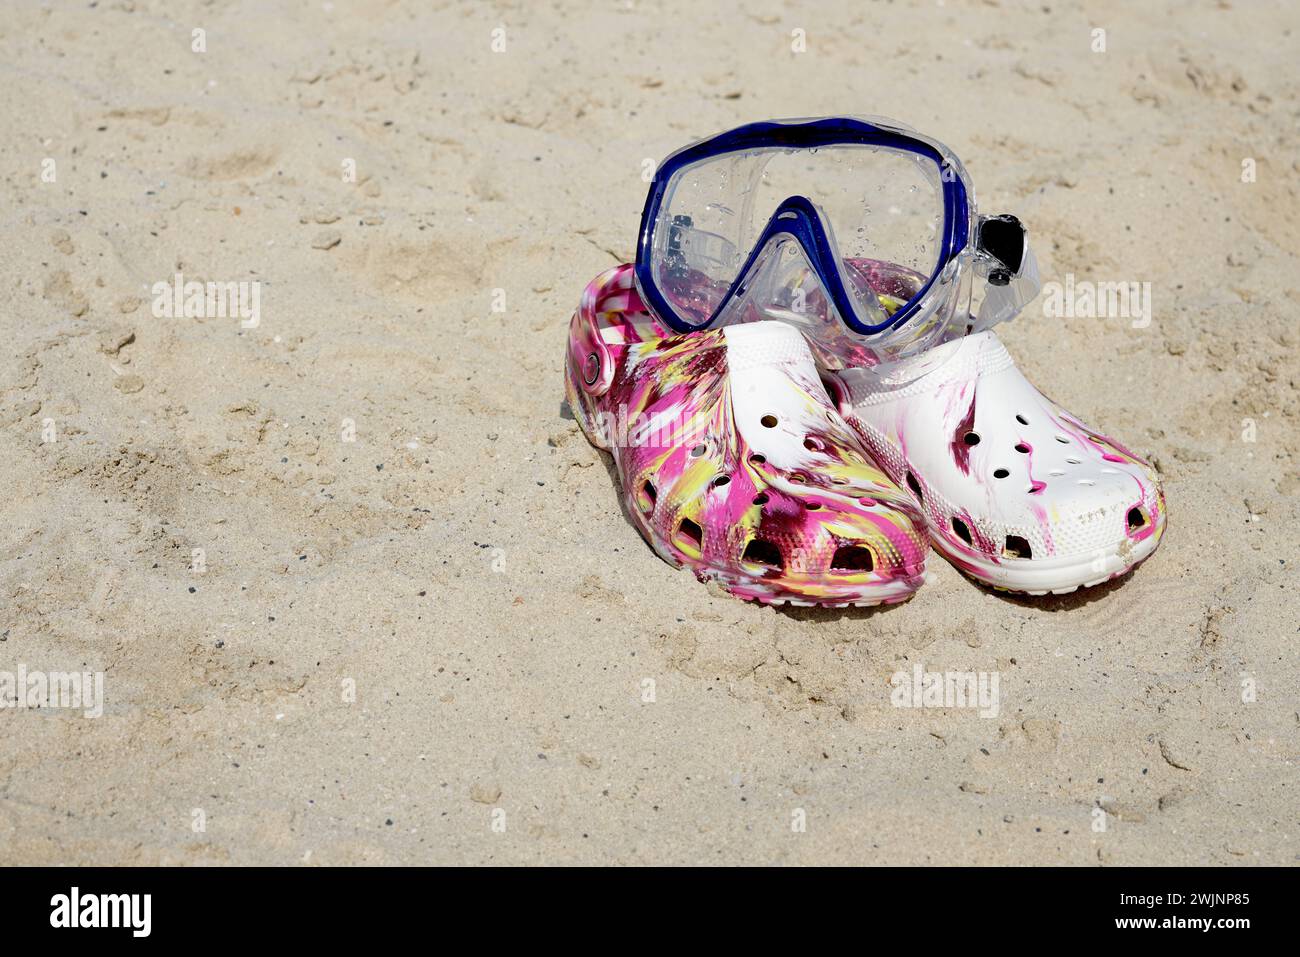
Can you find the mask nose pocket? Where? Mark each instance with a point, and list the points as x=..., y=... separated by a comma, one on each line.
x=795, y=275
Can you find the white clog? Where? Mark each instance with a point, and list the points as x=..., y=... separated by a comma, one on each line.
x=1016, y=491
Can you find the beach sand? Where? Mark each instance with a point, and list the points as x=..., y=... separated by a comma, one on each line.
x=362, y=593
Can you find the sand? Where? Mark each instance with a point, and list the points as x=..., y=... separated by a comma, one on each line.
x=417, y=627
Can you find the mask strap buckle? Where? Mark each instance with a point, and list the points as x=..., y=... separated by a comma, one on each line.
x=1005, y=262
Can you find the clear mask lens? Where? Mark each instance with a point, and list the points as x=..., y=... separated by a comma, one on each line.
x=876, y=205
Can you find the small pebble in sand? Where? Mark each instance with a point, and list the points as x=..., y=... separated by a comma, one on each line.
x=327, y=240
x=112, y=340
x=128, y=384
x=485, y=793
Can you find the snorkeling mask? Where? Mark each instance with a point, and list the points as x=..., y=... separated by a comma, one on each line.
x=860, y=232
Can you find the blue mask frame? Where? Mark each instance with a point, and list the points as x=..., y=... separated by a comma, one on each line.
x=797, y=216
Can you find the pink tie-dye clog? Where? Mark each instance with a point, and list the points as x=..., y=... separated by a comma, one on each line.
x=732, y=460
